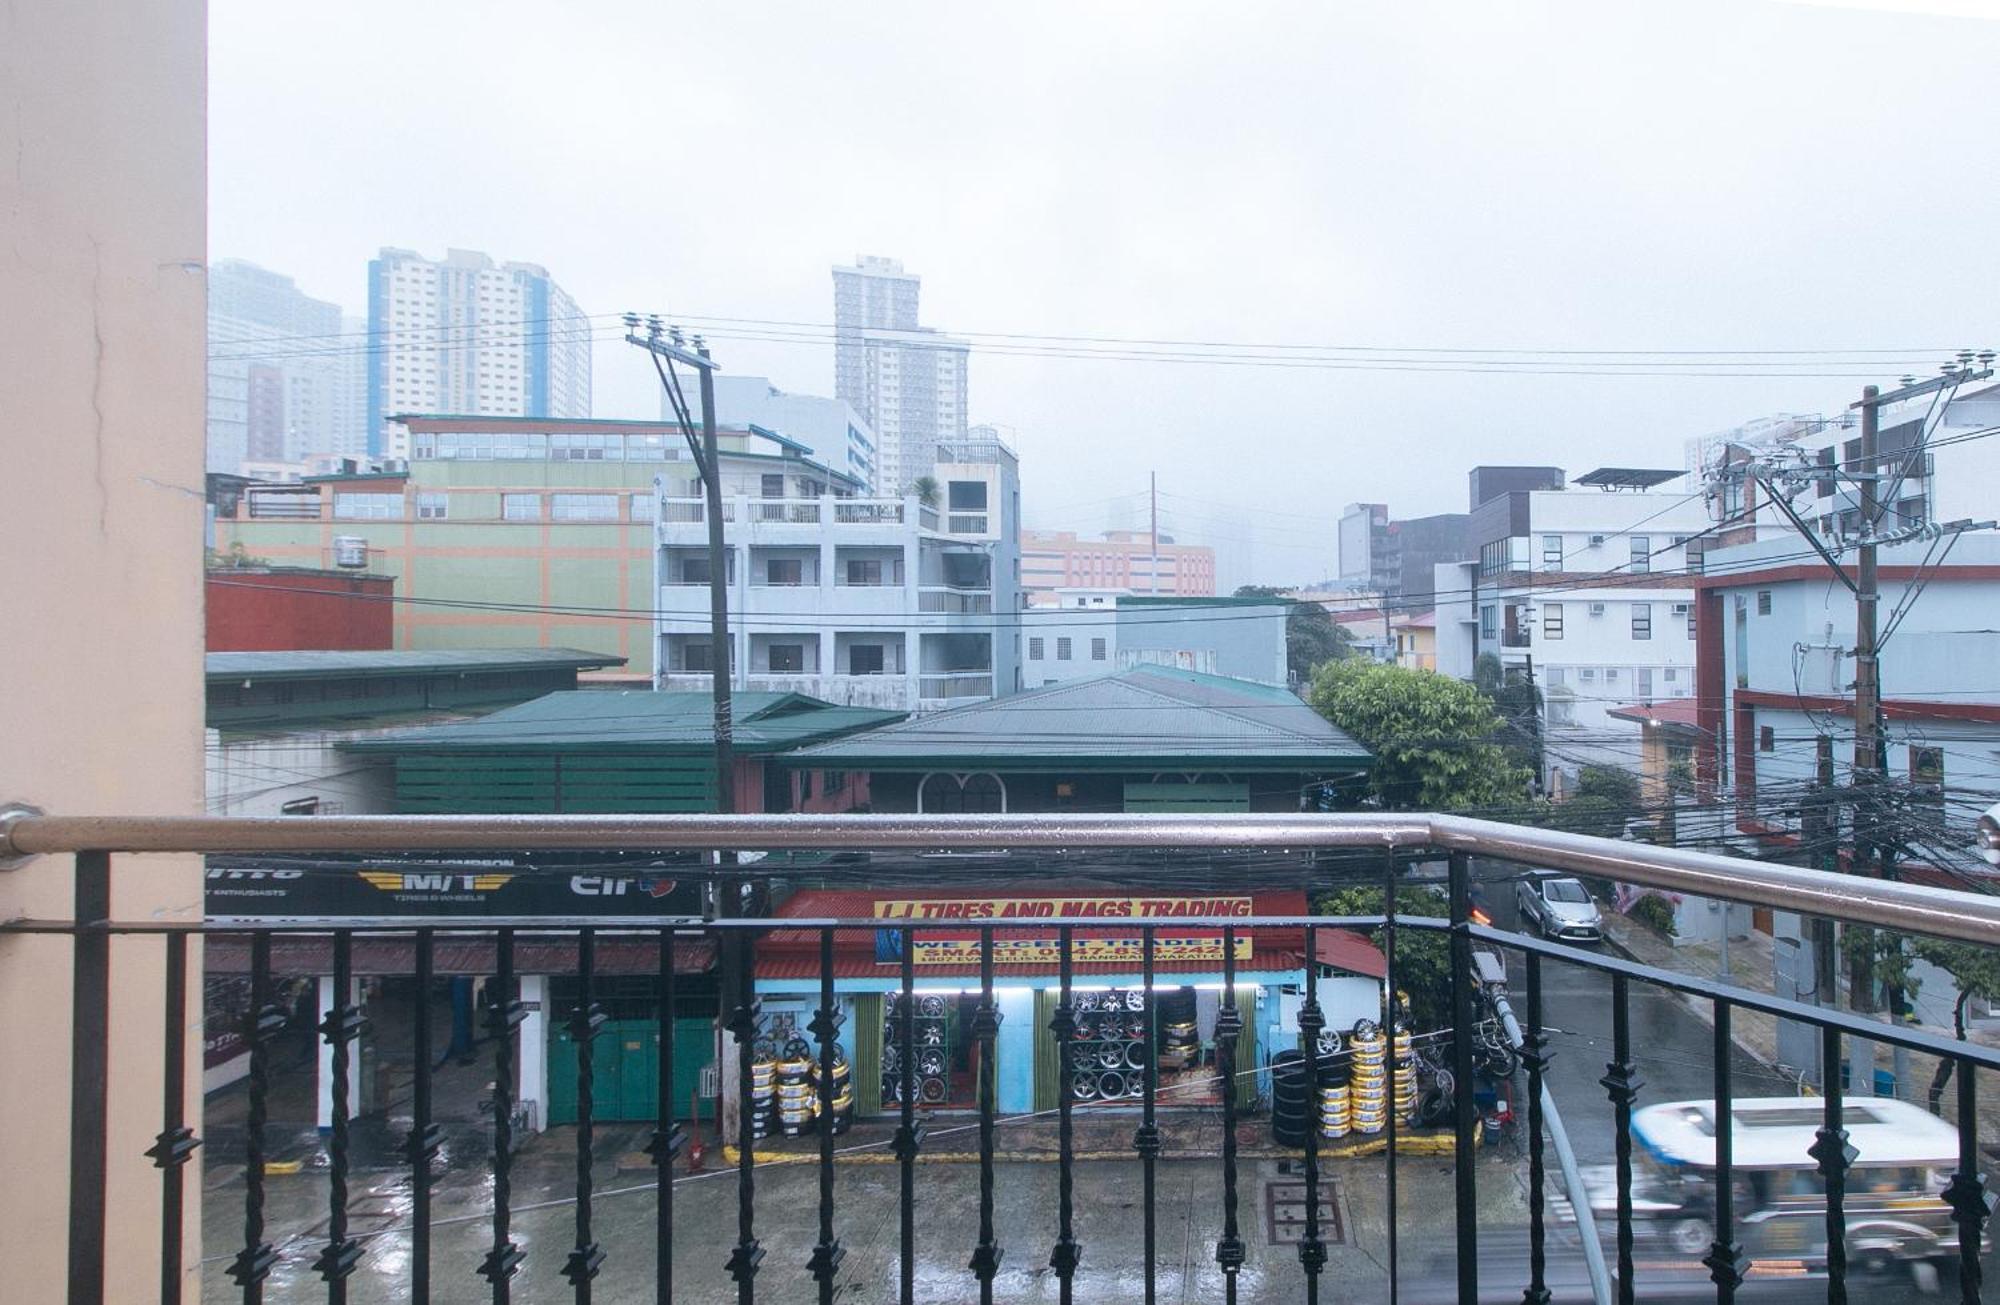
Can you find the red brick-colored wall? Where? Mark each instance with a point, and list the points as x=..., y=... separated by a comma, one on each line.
x=284, y=609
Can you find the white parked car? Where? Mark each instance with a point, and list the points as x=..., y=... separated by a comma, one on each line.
x=1560, y=908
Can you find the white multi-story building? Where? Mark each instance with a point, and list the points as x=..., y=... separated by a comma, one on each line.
x=276, y=360
x=1591, y=587
x=471, y=338
x=908, y=381
x=1089, y=632
x=884, y=601
x=831, y=428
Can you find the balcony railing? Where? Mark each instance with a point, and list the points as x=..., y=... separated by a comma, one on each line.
x=955, y=684
x=450, y=1251
x=954, y=599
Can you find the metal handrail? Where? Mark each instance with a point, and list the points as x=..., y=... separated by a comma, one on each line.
x=1910, y=908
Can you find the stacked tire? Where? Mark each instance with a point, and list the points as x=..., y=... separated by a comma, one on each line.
x=1368, y=1081
x=795, y=1088
x=1288, y=1098
x=842, y=1116
x=1404, y=1092
x=1179, y=1044
x=763, y=1089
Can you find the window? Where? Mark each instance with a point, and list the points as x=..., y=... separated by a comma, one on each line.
x=1642, y=553
x=368, y=507
x=1062, y=649
x=1035, y=648
x=1645, y=690
x=1557, y=676
x=432, y=506
x=1552, y=620
x=773, y=487
x=832, y=782
x=1552, y=552
x=645, y=507
x=784, y=571
x=1823, y=482
x=694, y=656
x=864, y=571
x=1611, y=675
x=583, y=507
x=1642, y=620
x=1763, y=602
x=1489, y=622
x=1669, y=674
x=1587, y=674
x=1097, y=650
x=1767, y=738
x=864, y=659
x=787, y=657
x=968, y=496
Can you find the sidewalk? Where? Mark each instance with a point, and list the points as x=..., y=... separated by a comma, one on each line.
x=1756, y=1033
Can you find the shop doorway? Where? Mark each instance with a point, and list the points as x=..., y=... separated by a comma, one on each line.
x=943, y=1052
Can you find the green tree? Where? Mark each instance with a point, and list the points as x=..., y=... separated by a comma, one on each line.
x=1312, y=636
x=1618, y=787
x=1518, y=703
x=926, y=490
x=1423, y=957
x=1431, y=736
x=1977, y=972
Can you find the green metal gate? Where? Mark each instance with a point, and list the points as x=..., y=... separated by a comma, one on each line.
x=625, y=1070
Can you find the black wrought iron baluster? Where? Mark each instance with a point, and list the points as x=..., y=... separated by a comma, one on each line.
x=176, y=1141
x=1725, y=1256
x=1464, y=999
x=668, y=1136
x=985, y=1027
x=1389, y=1166
x=503, y=1018
x=1063, y=1259
x=425, y=1137
x=341, y=1026
x=828, y=1254
x=1835, y=1154
x=1146, y=1141
x=1312, y=1021
x=1535, y=1056
x=744, y=1021
x=1623, y=1085
x=909, y=1131
x=1966, y=1193
x=586, y=1021
x=1229, y=1251
x=253, y=1263
x=89, y=1081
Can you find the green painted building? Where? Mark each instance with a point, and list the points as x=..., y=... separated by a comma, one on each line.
x=626, y=751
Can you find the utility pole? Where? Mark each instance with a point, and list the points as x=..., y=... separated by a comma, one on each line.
x=665, y=353
x=1153, y=496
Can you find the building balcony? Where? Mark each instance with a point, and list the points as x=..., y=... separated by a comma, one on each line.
x=1306, y=1165
x=955, y=599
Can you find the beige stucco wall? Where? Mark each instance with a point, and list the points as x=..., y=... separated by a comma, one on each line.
x=102, y=241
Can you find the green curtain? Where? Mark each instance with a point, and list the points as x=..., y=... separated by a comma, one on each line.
x=867, y=1042
x=1246, y=1043
x=1048, y=1074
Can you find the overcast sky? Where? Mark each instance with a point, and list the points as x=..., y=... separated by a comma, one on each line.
x=1740, y=176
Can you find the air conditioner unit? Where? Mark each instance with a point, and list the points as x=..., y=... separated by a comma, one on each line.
x=1680, y=609
x=1597, y=541
x=1597, y=609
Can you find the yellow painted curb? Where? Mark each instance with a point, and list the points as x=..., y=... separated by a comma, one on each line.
x=1407, y=1144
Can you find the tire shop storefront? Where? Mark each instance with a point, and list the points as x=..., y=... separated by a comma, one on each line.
x=1117, y=1033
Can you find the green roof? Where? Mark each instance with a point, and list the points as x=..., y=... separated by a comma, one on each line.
x=1145, y=718
x=636, y=720
x=361, y=663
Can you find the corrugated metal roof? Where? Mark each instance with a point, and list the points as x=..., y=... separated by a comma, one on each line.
x=319, y=663
x=636, y=719
x=1141, y=716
